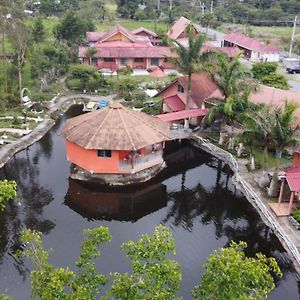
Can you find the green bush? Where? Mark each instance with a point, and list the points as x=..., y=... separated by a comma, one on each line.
x=81, y=71
x=261, y=70
x=140, y=96
x=92, y=85
x=275, y=80
x=296, y=215
x=137, y=104
x=41, y=97
x=75, y=84
x=11, y=101
x=125, y=71
x=154, y=110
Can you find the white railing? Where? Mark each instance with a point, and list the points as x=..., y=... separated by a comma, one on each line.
x=140, y=161
x=251, y=195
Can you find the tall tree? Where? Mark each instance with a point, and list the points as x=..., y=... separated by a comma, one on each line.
x=38, y=31
x=189, y=60
x=231, y=81
x=229, y=274
x=20, y=37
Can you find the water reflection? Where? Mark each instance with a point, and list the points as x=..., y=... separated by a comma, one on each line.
x=194, y=196
x=94, y=203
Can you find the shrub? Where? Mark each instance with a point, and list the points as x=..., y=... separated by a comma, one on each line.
x=261, y=70
x=140, y=95
x=296, y=215
x=137, y=104
x=75, y=84
x=125, y=71
x=81, y=71
x=154, y=110
x=275, y=80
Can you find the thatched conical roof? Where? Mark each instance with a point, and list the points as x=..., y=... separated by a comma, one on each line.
x=115, y=128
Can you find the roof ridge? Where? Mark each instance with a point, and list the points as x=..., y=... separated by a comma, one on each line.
x=126, y=129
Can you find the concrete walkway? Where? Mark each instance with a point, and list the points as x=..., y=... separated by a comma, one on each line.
x=246, y=182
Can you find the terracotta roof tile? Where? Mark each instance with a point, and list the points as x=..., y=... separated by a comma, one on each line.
x=249, y=43
x=115, y=128
x=178, y=28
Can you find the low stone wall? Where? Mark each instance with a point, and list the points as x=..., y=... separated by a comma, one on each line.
x=242, y=184
x=78, y=173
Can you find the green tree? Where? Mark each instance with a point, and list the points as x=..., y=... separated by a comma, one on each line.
x=83, y=72
x=208, y=20
x=231, y=275
x=38, y=31
x=231, y=81
x=49, y=282
x=154, y=276
x=285, y=134
x=8, y=191
x=127, y=8
x=189, y=60
x=48, y=7
x=72, y=29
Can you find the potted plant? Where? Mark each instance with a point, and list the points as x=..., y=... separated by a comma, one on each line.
x=295, y=218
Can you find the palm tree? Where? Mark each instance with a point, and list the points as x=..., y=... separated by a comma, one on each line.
x=230, y=79
x=189, y=60
x=228, y=75
x=284, y=136
x=285, y=129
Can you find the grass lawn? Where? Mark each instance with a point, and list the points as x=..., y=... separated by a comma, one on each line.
x=271, y=159
x=132, y=24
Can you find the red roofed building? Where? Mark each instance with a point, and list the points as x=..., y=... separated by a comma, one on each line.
x=202, y=88
x=118, y=48
x=253, y=49
x=178, y=30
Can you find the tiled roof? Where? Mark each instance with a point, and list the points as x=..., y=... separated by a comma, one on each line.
x=117, y=29
x=142, y=29
x=249, y=43
x=94, y=36
x=146, y=52
x=202, y=86
x=122, y=44
x=178, y=27
x=174, y=103
x=116, y=128
x=293, y=178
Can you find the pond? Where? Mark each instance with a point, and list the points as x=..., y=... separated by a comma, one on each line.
x=194, y=197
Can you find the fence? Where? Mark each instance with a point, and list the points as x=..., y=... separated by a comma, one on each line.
x=251, y=195
x=140, y=161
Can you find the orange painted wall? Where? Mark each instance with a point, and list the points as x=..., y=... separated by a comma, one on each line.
x=88, y=159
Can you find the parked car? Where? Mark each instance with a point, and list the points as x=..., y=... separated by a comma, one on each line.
x=293, y=70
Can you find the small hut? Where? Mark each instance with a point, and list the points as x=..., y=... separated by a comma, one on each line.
x=115, y=141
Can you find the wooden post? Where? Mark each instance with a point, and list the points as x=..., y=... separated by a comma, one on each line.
x=291, y=202
x=281, y=191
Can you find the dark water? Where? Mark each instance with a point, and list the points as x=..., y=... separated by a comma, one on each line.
x=194, y=197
